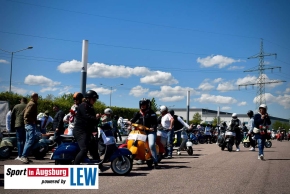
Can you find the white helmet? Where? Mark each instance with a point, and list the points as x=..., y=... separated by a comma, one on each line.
x=163, y=108
x=108, y=111
x=263, y=106
x=234, y=115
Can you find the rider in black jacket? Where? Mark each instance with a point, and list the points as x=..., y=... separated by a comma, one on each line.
x=147, y=117
x=85, y=123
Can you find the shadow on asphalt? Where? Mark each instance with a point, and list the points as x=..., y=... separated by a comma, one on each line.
x=278, y=159
x=163, y=162
x=1, y=180
x=129, y=175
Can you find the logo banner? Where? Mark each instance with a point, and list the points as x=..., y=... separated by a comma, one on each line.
x=51, y=177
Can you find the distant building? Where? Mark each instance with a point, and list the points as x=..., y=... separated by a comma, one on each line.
x=207, y=115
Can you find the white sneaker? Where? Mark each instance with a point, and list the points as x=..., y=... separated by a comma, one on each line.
x=259, y=157
x=18, y=158
x=252, y=149
x=262, y=157
x=237, y=150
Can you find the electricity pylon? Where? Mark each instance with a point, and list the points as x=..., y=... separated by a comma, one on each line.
x=261, y=79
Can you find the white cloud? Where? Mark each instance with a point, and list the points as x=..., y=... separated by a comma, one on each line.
x=48, y=89
x=217, y=80
x=19, y=90
x=159, y=78
x=206, y=98
x=170, y=94
x=205, y=86
x=39, y=80
x=101, y=70
x=253, y=80
x=226, y=108
x=236, y=67
x=287, y=90
x=225, y=86
x=90, y=86
x=70, y=66
x=283, y=100
x=171, y=99
x=247, y=80
x=242, y=103
x=104, y=91
x=4, y=61
x=65, y=90
x=218, y=60
x=138, y=91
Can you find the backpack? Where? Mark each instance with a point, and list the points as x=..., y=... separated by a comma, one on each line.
x=177, y=124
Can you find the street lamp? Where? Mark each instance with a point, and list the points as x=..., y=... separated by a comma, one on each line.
x=12, y=53
x=111, y=88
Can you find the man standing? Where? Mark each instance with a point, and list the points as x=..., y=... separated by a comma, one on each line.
x=178, y=124
x=58, y=125
x=30, y=119
x=17, y=124
x=44, y=121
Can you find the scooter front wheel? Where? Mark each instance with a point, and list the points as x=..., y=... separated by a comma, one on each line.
x=268, y=144
x=121, y=167
x=190, y=151
x=246, y=144
x=5, y=152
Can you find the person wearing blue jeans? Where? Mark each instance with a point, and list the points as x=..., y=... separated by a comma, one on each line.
x=21, y=138
x=167, y=122
x=261, y=121
x=30, y=137
x=17, y=124
x=170, y=137
x=30, y=120
x=147, y=117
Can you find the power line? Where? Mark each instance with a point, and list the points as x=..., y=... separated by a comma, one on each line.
x=140, y=22
x=134, y=21
x=261, y=79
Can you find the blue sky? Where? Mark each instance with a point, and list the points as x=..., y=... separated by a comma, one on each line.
x=159, y=49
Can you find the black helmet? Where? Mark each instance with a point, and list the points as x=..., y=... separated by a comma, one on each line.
x=250, y=113
x=171, y=112
x=145, y=101
x=78, y=96
x=91, y=94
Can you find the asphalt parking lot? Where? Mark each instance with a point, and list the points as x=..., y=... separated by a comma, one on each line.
x=208, y=170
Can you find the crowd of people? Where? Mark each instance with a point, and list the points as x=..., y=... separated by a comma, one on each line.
x=82, y=121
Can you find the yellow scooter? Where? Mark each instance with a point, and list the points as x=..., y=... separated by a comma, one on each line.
x=137, y=143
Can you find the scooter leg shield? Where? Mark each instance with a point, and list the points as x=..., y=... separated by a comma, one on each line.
x=66, y=151
x=120, y=152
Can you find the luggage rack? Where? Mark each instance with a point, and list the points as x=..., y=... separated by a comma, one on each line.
x=67, y=138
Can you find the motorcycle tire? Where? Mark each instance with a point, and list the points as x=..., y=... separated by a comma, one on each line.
x=195, y=142
x=268, y=144
x=190, y=151
x=223, y=148
x=202, y=141
x=120, y=167
x=230, y=147
x=247, y=144
x=5, y=152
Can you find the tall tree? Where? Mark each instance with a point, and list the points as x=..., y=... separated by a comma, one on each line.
x=196, y=119
x=154, y=106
